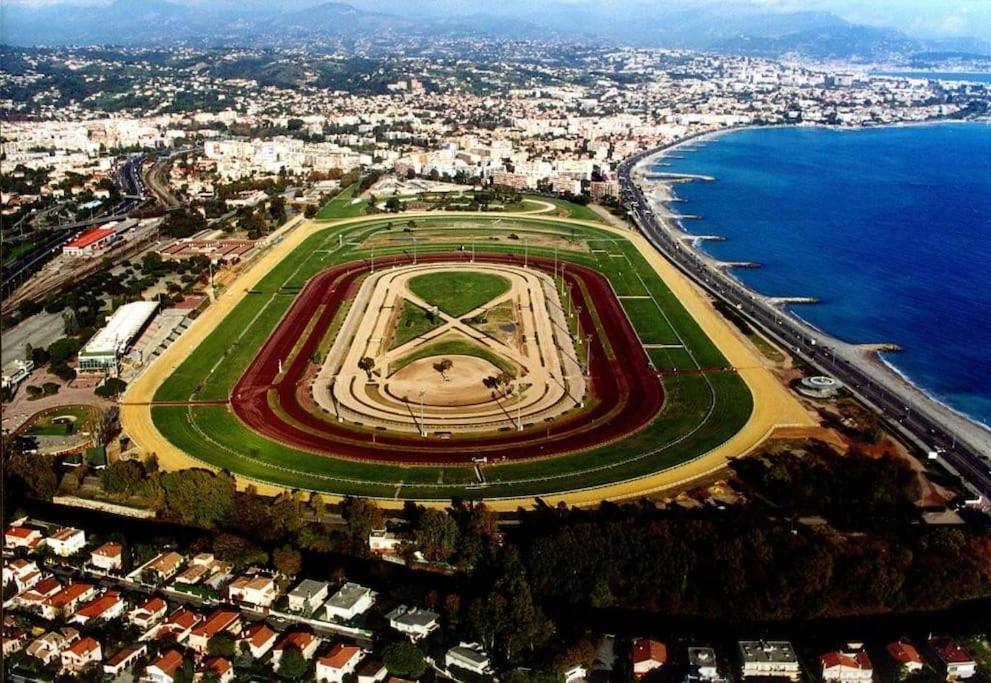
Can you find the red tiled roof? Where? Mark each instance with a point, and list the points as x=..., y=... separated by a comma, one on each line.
x=216, y=623
x=298, y=640
x=84, y=646
x=154, y=605
x=46, y=586
x=218, y=665
x=168, y=663
x=904, y=653
x=89, y=237
x=859, y=660
x=950, y=651
x=20, y=532
x=69, y=593
x=259, y=634
x=97, y=607
x=339, y=655
x=109, y=550
x=646, y=650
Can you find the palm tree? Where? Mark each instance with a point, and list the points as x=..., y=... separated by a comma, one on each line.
x=367, y=364
x=443, y=366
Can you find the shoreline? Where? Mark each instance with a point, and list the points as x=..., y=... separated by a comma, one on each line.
x=668, y=216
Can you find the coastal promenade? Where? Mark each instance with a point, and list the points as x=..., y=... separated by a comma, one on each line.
x=962, y=445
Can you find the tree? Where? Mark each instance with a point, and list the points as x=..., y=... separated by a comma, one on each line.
x=62, y=350
x=122, y=476
x=404, y=659
x=277, y=209
x=436, y=535
x=362, y=517
x=310, y=211
x=287, y=560
x=111, y=387
x=293, y=664
x=394, y=205
x=221, y=646
x=50, y=388
x=31, y=473
x=197, y=496
x=443, y=367
x=367, y=364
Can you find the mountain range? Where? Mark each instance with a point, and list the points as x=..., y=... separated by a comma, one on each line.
x=742, y=29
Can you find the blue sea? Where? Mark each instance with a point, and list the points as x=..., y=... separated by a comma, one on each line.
x=972, y=76
x=890, y=227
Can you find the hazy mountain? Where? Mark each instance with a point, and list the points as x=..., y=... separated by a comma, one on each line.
x=731, y=28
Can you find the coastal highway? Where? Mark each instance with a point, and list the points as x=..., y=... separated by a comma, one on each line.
x=959, y=444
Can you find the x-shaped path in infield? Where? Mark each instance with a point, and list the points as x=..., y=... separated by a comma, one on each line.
x=452, y=323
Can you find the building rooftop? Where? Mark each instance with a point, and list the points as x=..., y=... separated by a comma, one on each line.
x=347, y=596
x=121, y=328
x=775, y=651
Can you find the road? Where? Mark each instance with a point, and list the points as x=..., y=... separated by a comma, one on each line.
x=962, y=446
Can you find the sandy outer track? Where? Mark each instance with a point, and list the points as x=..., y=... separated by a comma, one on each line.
x=774, y=407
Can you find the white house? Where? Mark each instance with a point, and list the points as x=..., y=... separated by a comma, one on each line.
x=67, y=541
x=761, y=658
x=702, y=665
x=260, y=591
x=125, y=659
x=350, y=601
x=148, y=613
x=108, y=557
x=48, y=647
x=22, y=537
x=383, y=542
x=846, y=667
x=24, y=573
x=259, y=638
x=163, y=669
x=219, y=669
x=906, y=656
x=81, y=654
x=338, y=663
x=956, y=663
x=468, y=656
x=306, y=643
x=372, y=671
x=412, y=621
x=106, y=607
x=220, y=621
x=308, y=595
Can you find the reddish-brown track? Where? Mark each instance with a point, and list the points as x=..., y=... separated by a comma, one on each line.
x=627, y=392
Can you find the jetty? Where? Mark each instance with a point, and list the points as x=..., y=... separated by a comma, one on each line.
x=677, y=177
x=703, y=238
x=885, y=347
x=685, y=217
x=737, y=264
x=791, y=300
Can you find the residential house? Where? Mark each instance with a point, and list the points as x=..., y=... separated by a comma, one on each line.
x=760, y=658
x=413, y=622
x=201, y=568
x=702, y=666
x=48, y=647
x=372, y=671
x=648, y=655
x=163, y=567
x=125, y=659
x=34, y=598
x=176, y=626
x=67, y=541
x=81, y=654
x=338, y=663
x=955, y=662
x=259, y=591
x=384, y=542
x=906, y=656
x=67, y=600
x=219, y=669
x=108, y=606
x=844, y=667
x=259, y=638
x=348, y=602
x=24, y=573
x=575, y=673
x=109, y=557
x=305, y=642
x=308, y=595
x=13, y=639
x=221, y=621
x=469, y=656
x=22, y=537
x=164, y=668
x=148, y=613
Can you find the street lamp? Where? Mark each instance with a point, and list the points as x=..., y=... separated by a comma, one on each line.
x=423, y=427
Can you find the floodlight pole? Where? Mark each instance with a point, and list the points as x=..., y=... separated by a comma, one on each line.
x=578, y=333
x=570, y=287
x=423, y=427
x=588, y=356
x=519, y=408
x=373, y=259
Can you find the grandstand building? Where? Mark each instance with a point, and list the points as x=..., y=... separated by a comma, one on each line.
x=102, y=353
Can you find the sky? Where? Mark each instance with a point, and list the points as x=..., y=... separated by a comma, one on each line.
x=919, y=18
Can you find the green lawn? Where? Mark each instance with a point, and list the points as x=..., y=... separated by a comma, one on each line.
x=342, y=206
x=701, y=410
x=569, y=209
x=61, y=421
x=456, y=292
x=412, y=321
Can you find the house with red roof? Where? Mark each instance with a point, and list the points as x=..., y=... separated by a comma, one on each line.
x=305, y=642
x=81, y=654
x=372, y=671
x=176, y=626
x=106, y=607
x=259, y=639
x=905, y=655
x=34, y=598
x=108, y=557
x=67, y=541
x=219, y=669
x=125, y=659
x=67, y=600
x=340, y=661
x=846, y=667
x=164, y=668
x=22, y=537
x=148, y=613
x=648, y=655
x=955, y=662
x=221, y=621
x=24, y=573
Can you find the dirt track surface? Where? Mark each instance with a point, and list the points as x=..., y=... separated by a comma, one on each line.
x=627, y=392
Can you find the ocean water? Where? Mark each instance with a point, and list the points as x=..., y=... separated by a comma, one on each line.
x=972, y=76
x=890, y=227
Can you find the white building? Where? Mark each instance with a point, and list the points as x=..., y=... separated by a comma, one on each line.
x=769, y=658
x=846, y=667
x=108, y=557
x=105, y=347
x=412, y=621
x=308, y=595
x=260, y=591
x=338, y=663
x=469, y=656
x=67, y=541
x=383, y=542
x=350, y=601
